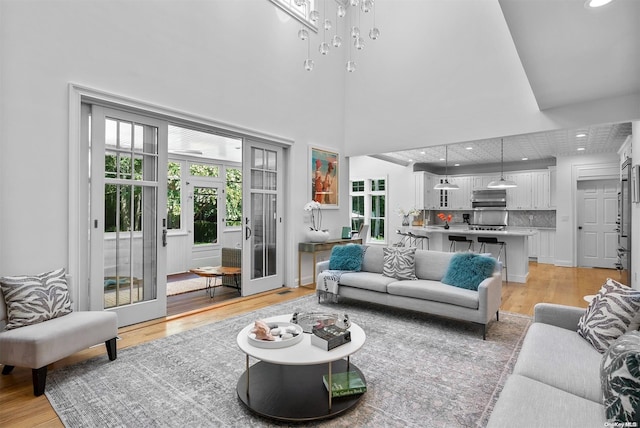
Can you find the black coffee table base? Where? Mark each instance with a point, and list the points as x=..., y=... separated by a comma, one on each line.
x=293, y=393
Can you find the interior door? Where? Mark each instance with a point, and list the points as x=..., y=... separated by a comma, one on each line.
x=128, y=215
x=262, y=255
x=597, y=213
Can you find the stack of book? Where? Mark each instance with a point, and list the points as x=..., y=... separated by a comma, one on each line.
x=343, y=384
x=329, y=336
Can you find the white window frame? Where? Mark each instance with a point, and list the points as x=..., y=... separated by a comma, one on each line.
x=368, y=193
x=300, y=13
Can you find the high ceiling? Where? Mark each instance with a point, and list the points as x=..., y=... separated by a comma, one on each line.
x=570, y=55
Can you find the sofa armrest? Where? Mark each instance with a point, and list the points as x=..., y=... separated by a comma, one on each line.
x=558, y=315
x=322, y=266
x=490, y=295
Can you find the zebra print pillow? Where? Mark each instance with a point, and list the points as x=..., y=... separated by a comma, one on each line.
x=399, y=263
x=32, y=299
x=614, y=311
x=620, y=379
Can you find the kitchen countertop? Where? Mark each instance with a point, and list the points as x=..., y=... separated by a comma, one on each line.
x=464, y=230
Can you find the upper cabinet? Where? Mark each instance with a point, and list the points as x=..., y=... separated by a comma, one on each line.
x=535, y=191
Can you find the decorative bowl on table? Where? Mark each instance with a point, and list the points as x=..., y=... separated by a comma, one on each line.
x=308, y=320
x=284, y=333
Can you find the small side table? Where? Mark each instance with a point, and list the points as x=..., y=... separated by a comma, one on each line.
x=315, y=248
x=210, y=273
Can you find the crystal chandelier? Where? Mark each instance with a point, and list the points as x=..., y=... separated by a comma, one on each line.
x=351, y=10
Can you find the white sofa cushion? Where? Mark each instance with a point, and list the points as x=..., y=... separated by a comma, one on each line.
x=562, y=359
x=432, y=264
x=527, y=403
x=366, y=280
x=436, y=291
x=373, y=259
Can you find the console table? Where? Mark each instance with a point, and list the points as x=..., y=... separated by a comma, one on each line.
x=317, y=247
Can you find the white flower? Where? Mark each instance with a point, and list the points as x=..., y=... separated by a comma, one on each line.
x=313, y=205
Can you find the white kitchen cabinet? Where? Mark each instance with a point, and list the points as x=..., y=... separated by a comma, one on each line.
x=553, y=174
x=547, y=246
x=424, y=193
x=534, y=245
x=519, y=198
x=460, y=199
x=540, y=190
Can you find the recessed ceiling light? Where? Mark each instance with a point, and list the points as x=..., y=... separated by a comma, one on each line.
x=469, y=148
x=422, y=153
x=442, y=159
x=581, y=149
x=456, y=164
x=525, y=158
x=581, y=135
x=596, y=3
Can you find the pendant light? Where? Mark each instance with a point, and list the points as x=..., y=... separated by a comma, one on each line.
x=446, y=185
x=502, y=183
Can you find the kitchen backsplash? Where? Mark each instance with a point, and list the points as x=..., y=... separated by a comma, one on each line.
x=531, y=218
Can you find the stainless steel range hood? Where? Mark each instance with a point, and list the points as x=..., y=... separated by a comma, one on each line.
x=489, y=198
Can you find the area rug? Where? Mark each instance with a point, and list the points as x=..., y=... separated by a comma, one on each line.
x=186, y=286
x=421, y=371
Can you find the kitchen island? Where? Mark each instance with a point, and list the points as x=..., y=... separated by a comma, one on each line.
x=517, y=248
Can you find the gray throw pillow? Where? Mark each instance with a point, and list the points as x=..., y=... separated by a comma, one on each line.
x=32, y=299
x=614, y=311
x=620, y=379
x=399, y=263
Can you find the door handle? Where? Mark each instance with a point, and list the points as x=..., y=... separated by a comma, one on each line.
x=164, y=237
x=579, y=227
x=247, y=229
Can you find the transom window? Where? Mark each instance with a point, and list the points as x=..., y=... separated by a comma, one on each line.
x=299, y=9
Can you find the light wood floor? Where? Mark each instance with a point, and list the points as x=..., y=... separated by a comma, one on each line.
x=547, y=283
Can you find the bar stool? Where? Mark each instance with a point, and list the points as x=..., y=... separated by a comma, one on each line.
x=418, y=239
x=461, y=239
x=491, y=240
x=405, y=241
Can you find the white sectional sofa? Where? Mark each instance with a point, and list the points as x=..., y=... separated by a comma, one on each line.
x=426, y=294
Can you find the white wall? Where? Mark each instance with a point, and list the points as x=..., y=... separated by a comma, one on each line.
x=241, y=65
x=413, y=90
x=400, y=187
x=569, y=170
x=635, y=210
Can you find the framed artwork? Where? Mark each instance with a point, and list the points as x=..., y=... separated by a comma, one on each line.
x=324, y=174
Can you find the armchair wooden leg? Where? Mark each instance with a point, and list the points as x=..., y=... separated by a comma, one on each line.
x=112, y=350
x=7, y=369
x=39, y=380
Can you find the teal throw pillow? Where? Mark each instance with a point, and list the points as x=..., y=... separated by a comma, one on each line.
x=620, y=378
x=468, y=270
x=346, y=257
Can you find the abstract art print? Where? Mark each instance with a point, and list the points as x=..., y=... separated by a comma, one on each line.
x=324, y=177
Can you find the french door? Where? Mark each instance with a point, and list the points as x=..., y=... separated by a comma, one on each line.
x=128, y=215
x=262, y=253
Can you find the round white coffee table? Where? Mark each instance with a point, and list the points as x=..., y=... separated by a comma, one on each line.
x=286, y=384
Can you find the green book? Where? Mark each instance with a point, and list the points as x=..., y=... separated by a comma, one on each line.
x=346, y=383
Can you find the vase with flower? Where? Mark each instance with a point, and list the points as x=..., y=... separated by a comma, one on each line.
x=446, y=218
x=408, y=215
x=315, y=233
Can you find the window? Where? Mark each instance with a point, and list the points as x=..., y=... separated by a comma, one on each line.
x=174, y=195
x=299, y=9
x=368, y=206
x=233, y=190
x=202, y=170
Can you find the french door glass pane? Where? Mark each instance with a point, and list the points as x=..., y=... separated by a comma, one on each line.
x=264, y=210
x=205, y=215
x=131, y=217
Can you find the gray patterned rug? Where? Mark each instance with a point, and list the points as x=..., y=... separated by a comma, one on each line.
x=421, y=371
